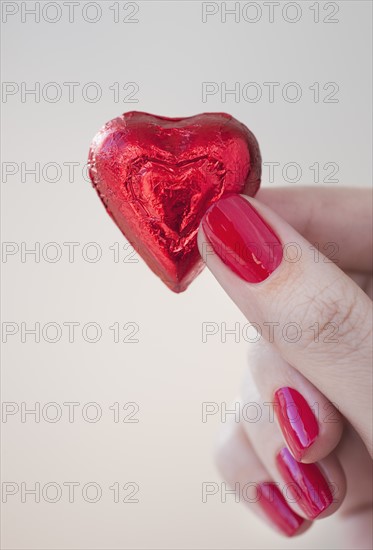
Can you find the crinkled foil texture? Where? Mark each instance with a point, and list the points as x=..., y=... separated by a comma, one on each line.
x=157, y=176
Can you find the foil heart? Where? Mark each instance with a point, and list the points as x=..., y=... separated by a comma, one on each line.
x=157, y=176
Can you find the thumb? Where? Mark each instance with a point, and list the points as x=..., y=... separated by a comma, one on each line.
x=319, y=320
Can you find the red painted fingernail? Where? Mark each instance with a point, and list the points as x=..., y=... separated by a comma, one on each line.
x=277, y=509
x=296, y=419
x=242, y=239
x=305, y=483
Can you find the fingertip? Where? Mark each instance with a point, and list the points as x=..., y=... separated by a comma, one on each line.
x=311, y=430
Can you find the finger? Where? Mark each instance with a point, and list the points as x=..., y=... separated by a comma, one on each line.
x=318, y=319
x=357, y=465
x=311, y=426
x=312, y=490
x=244, y=472
x=325, y=216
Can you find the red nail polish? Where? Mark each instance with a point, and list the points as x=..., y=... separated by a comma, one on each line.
x=296, y=419
x=242, y=239
x=305, y=483
x=277, y=509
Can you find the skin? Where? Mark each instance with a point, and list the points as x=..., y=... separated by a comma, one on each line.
x=333, y=289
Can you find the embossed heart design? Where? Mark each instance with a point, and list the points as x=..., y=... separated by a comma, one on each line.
x=171, y=194
x=157, y=177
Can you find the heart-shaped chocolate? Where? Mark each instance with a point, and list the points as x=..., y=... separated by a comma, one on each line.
x=157, y=176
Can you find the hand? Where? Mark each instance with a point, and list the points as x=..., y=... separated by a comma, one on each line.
x=304, y=283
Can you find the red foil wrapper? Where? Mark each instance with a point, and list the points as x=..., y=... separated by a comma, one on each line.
x=157, y=176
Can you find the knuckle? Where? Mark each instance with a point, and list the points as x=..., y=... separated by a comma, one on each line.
x=330, y=316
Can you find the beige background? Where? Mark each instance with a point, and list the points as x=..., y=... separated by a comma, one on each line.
x=170, y=372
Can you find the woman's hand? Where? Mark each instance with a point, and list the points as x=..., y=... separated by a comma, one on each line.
x=305, y=284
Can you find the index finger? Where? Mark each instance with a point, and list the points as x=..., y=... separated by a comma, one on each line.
x=338, y=222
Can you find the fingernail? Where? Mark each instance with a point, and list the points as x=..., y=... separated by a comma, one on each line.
x=277, y=509
x=242, y=239
x=296, y=419
x=305, y=483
